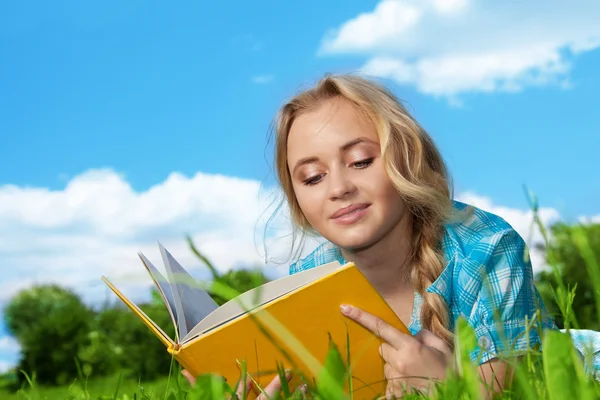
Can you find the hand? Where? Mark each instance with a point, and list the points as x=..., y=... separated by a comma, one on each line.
x=409, y=360
x=270, y=390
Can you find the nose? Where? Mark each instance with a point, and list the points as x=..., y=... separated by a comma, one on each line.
x=340, y=184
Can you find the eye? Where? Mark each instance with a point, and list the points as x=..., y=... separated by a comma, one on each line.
x=313, y=180
x=363, y=164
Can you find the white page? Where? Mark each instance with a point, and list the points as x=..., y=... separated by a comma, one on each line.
x=267, y=292
x=163, y=288
x=192, y=304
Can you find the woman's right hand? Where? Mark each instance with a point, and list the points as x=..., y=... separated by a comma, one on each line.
x=270, y=390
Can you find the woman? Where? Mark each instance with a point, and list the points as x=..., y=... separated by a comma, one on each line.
x=359, y=171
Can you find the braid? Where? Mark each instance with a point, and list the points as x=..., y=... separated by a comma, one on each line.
x=428, y=263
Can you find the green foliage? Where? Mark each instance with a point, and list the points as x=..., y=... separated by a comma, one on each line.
x=465, y=343
x=61, y=338
x=124, y=342
x=112, y=387
x=51, y=325
x=565, y=249
x=565, y=377
x=331, y=381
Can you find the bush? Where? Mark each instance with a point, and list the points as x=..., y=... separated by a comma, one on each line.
x=50, y=323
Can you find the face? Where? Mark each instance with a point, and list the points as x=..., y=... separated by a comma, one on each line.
x=338, y=176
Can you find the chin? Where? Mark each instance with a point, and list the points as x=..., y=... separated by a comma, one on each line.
x=355, y=241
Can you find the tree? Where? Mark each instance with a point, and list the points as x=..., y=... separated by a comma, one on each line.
x=566, y=253
x=50, y=323
x=118, y=341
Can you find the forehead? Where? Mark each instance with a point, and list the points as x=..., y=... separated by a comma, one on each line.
x=327, y=128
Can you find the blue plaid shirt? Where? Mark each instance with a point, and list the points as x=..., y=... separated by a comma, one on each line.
x=488, y=269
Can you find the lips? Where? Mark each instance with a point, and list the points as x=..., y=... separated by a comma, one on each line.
x=342, y=212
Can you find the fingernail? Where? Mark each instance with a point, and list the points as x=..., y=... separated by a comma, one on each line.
x=304, y=388
x=346, y=309
x=288, y=374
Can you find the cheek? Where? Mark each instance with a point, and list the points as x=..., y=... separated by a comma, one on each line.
x=394, y=204
x=390, y=192
x=392, y=198
x=382, y=189
x=309, y=202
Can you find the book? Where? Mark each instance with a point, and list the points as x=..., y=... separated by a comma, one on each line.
x=288, y=322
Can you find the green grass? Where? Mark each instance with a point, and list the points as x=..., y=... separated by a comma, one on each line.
x=99, y=388
x=560, y=374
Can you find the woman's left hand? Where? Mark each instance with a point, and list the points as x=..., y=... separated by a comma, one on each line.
x=416, y=361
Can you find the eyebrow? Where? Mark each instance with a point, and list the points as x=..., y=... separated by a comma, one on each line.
x=345, y=147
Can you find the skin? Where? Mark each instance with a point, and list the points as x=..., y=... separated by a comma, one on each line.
x=334, y=158
x=339, y=176
x=270, y=390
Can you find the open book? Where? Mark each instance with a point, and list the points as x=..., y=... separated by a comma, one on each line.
x=287, y=321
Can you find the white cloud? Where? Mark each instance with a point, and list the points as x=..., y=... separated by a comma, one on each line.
x=449, y=6
x=595, y=219
x=9, y=353
x=8, y=344
x=368, y=31
x=521, y=221
x=262, y=79
x=96, y=225
x=5, y=366
x=448, y=47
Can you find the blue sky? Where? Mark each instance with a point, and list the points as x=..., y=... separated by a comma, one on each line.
x=106, y=106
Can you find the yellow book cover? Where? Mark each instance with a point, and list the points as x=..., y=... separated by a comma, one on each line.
x=288, y=321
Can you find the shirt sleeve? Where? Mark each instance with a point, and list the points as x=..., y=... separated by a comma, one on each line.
x=506, y=318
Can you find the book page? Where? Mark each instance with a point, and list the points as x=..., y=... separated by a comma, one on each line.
x=158, y=332
x=192, y=304
x=259, y=296
x=163, y=288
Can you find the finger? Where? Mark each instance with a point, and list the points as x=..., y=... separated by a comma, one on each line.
x=429, y=339
x=376, y=325
x=274, y=386
x=387, y=352
x=244, y=387
x=392, y=375
x=390, y=391
x=388, y=372
x=189, y=377
x=302, y=389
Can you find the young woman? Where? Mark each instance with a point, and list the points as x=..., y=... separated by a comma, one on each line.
x=358, y=170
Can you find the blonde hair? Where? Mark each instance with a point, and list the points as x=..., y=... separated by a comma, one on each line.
x=413, y=163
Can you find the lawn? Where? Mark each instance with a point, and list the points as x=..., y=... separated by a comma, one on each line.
x=99, y=388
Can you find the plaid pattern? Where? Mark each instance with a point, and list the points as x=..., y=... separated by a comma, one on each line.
x=587, y=343
x=488, y=280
